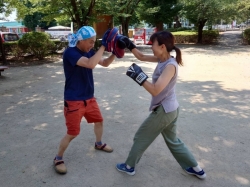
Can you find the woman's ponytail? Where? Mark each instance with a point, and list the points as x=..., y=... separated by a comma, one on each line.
x=178, y=56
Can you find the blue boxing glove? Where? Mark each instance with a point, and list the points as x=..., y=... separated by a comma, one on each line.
x=136, y=73
x=104, y=38
x=108, y=39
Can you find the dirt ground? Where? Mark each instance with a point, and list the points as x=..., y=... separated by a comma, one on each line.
x=213, y=91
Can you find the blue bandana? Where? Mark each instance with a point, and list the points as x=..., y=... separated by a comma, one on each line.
x=82, y=34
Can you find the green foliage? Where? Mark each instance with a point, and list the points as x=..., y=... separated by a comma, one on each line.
x=36, y=43
x=184, y=33
x=8, y=46
x=179, y=29
x=158, y=11
x=246, y=35
x=59, y=45
x=201, y=12
x=31, y=21
x=243, y=10
x=17, y=52
x=12, y=48
x=210, y=36
x=191, y=36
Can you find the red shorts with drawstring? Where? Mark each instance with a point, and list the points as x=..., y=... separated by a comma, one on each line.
x=75, y=110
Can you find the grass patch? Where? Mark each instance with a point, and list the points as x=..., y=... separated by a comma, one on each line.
x=184, y=33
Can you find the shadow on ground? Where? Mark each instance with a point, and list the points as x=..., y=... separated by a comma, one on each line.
x=214, y=124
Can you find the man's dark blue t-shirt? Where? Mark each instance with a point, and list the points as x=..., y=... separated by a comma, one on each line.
x=79, y=83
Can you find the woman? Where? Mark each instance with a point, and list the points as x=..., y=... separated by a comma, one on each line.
x=164, y=105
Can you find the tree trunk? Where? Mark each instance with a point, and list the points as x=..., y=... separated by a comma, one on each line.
x=125, y=27
x=125, y=24
x=201, y=24
x=159, y=26
x=177, y=22
x=3, y=52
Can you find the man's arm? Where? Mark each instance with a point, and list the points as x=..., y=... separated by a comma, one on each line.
x=93, y=61
x=105, y=62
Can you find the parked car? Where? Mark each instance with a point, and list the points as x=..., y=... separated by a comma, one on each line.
x=9, y=36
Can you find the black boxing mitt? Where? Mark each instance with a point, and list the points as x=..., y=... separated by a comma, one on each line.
x=135, y=72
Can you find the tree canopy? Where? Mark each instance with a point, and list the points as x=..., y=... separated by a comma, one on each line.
x=127, y=12
x=157, y=12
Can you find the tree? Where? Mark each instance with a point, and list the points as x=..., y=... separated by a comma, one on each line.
x=124, y=11
x=157, y=12
x=201, y=11
x=243, y=9
x=2, y=9
x=79, y=12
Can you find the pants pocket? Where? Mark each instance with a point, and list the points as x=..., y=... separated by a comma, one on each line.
x=70, y=106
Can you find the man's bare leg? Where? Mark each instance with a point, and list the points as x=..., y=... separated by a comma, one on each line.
x=98, y=129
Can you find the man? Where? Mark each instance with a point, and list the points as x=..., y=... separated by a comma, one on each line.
x=79, y=101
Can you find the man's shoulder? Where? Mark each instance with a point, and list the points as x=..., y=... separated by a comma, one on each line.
x=70, y=50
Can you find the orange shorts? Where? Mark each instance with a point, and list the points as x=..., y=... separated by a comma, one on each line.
x=75, y=110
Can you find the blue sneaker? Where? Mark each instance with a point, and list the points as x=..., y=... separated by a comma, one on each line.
x=123, y=168
x=201, y=174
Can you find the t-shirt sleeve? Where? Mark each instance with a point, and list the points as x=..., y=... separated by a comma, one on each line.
x=72, y=57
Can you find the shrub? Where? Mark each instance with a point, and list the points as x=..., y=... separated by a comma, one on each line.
x=37, y=44
x=246, y=35
x=59, y=45
x=17, y=52
x=210, y=36
x=185, y=37
x=179, y=29
x=8, y=46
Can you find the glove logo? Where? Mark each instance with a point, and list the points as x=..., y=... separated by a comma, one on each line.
x=131, y=69
x=141, y=77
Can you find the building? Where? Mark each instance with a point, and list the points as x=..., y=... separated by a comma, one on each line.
x=13, y=26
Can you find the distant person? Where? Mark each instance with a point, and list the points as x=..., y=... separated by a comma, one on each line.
x=164, y=106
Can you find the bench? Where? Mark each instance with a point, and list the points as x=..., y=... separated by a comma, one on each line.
x=2, y=68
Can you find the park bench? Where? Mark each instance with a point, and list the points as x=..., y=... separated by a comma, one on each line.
x=2, y=68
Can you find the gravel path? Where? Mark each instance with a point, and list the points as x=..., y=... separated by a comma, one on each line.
x=214, y=95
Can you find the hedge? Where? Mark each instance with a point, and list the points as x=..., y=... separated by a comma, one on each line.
x=208, y=36
x=246, y=35
x=18, y=50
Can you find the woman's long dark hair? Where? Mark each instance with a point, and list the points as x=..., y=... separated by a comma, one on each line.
x=166, y=38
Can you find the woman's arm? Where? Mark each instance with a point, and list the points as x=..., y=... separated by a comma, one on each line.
x=105, y=62
x=140, y=56
x=162, y=82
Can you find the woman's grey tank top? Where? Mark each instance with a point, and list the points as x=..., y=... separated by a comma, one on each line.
x=166, y=97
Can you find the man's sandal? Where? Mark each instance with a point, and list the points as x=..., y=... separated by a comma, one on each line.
x=59, y=166
x=103, y=148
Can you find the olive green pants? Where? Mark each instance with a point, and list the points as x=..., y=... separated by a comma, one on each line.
x=164, y=123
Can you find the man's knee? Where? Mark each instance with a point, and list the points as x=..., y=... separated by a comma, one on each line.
x=99, y=124
x=71, y=137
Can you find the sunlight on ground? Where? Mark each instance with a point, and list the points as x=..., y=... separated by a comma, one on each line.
x=216, y=138
x=228, y=143
x=204, y=149
x=41, y=126
x=58, y=111
x=198, y=98
x=242, y=180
